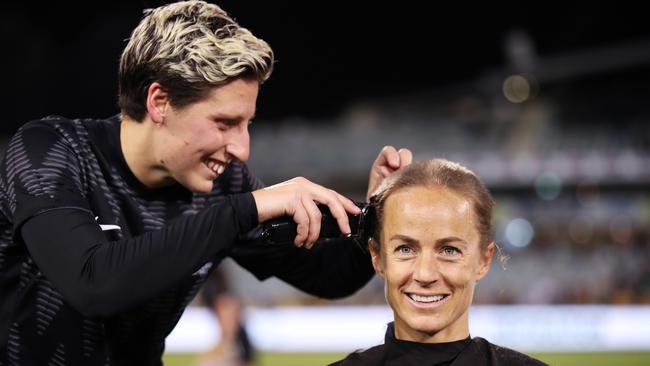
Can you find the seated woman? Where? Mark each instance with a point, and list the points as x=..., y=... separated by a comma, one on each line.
x=431, y=243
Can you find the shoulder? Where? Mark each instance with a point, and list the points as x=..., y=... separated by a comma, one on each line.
x=370, y=356
x=47, y=142
x=51, y=128
x=505, y=356
x=49, y=123
x=76, y=134
x=33, y=139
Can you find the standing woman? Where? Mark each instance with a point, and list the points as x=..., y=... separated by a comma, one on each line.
x=109, y=227
x=431, y=243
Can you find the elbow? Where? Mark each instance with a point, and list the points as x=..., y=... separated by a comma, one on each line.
x=338, y=288
x=344, y=286
x=96, y=292
x=94, y=302
x=335, y=295
x=338, y=292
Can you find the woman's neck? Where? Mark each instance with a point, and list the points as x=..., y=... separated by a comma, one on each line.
x=137, y=143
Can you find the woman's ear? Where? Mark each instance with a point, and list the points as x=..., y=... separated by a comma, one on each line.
x=376, y=258
x=485, y=261
x=157, y=102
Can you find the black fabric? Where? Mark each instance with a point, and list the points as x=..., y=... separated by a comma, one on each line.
x=101, y=278
x=467, y=352
x=332, y=270
x=96, y=269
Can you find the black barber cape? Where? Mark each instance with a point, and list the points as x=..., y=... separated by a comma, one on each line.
x=467, y=352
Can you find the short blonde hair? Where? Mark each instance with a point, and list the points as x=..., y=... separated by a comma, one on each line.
x=189, y=47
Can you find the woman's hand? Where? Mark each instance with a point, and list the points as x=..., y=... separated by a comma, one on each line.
x=298, y=198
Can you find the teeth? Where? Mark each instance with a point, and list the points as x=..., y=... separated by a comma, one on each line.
x=216, y=166
x=419, y=298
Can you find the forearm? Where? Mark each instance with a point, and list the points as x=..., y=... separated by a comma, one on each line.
x=331, y=270
x=100, y=277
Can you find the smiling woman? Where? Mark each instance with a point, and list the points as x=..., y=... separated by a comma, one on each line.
x=431, y=244
x=109, y=227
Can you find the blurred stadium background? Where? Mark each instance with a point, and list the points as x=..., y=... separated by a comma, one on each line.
x=549, y=104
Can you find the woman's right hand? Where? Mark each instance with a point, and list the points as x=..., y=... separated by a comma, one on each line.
x=298, y=198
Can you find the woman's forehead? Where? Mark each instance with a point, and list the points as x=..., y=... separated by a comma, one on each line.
x=430, y=211
x=429, y=198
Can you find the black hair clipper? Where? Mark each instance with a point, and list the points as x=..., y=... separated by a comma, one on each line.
x=283, y=229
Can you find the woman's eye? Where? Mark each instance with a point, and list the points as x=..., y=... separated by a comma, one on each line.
x=404, y=249
x=450, y=251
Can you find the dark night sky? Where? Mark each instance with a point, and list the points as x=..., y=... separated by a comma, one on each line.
x=62, y=59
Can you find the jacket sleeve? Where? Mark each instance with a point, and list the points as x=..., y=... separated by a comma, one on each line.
x=96, y=276
x=333, y=269
x=100, y=278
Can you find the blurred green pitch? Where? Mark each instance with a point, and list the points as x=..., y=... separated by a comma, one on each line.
x=321, y=359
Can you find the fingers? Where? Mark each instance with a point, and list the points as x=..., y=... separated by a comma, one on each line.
x=298, y=198
x=385, y=171
x=338, y=205
x=339, y=208
x=405, y=157
x=301, y=218
x=348, y=204
x=395, y=159
x=314, y=216
x=387, y=156
x=388, y=161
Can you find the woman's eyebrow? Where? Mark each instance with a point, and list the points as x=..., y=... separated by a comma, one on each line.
x=404, y=238
x=229, y=119
x=451, y=239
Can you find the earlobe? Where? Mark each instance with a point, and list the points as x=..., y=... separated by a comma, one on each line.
x=378, y=269
x=376, y=259
x=157, y=101
x=486, y=261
